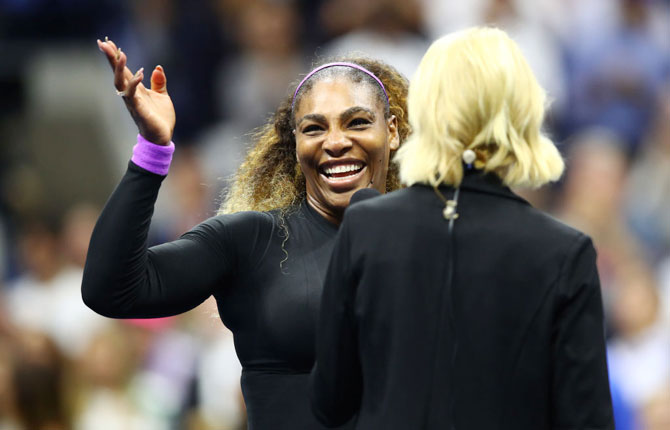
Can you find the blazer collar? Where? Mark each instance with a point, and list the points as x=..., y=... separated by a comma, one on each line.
x=480, y=182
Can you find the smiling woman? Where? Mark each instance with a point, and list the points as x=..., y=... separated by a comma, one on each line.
x=343, y=142
x=271, y=177
x=264, y=257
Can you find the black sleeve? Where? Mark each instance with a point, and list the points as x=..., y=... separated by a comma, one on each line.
x=580, y=388
x=124, y=279
x=336, y=381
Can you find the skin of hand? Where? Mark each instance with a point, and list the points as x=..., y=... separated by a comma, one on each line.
x=151, y=109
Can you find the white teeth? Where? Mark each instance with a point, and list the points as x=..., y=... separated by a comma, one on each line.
x=342, y=168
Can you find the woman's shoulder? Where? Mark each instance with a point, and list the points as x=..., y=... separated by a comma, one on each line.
x=389, y=204
x=549, y=224
x=238, y=224
x=241, y=236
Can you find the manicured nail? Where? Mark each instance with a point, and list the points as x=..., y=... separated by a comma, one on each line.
x=139, y=72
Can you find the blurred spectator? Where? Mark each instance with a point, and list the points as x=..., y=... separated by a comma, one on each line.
x=167, y=361
x=78, y=226
x=38, y=386
x=385, y=29
x=537, y=41
x=533, y=24
x=221, y=150
x=257, y=79
x=186, y=198
x=218, y=397
x=617, y=75
x=188, y=40
x=137, y=375
x=592, y=199
x=250, y=83
x=106, y=369
x=46, y=297
x=656, y=413
x=6, y=244
x=648, y=192
x=624, y=414
x=639, y=356
x=8, y=418
x=663, y=276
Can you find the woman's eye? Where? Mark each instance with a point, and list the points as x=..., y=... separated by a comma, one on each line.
x=359, y=122
x=311, y=129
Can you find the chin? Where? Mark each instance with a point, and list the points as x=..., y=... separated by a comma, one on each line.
x=340, y=201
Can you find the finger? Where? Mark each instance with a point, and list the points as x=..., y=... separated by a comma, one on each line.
x=113, y=55
x=159, y=80
x=111, y=43
x=110, y=53
x=133, y=83
x=120, y=79
x=126, y=71
x=110, y=50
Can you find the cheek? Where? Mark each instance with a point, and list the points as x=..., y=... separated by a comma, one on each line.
x=380, y=164
x=379, y=151
x=307, y=157
x=303, y=152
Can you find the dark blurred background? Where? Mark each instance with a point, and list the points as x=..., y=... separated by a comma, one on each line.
x=65, y=139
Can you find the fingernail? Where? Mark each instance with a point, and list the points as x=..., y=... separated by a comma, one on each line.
x=139, y=72
x=106, y=39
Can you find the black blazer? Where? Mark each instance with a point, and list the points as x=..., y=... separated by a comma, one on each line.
x=517, y=343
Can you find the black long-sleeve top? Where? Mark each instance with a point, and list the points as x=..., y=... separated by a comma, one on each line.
x=265, y=271
x=516, y=342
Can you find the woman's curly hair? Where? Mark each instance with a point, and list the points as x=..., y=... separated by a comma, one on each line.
x=270, y=176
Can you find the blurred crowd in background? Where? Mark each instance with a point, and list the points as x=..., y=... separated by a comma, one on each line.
x=65, y=140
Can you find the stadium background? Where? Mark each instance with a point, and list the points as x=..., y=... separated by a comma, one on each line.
x=65, y=139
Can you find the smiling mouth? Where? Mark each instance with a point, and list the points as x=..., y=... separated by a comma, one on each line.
x=342, y=171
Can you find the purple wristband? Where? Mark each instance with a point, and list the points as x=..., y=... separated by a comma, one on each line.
x=152, y=157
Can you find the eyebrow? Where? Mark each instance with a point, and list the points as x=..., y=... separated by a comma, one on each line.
x=354, y=110
x=316, y=117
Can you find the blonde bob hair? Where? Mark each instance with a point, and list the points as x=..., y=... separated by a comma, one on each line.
x=475, y=90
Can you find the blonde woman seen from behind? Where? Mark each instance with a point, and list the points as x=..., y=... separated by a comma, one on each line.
x=480, y=311
x=474, y=90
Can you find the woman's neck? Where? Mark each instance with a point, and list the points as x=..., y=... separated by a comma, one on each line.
x=330, y=215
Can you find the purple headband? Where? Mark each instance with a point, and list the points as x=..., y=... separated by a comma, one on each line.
x=352, y=65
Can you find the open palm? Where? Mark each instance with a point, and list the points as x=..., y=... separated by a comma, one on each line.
x=151, y=109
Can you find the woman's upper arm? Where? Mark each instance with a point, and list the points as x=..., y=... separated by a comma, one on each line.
x=177, y=276
x=124, y=279
x=581, y=396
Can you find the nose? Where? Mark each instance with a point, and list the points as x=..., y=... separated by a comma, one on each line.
x=336, y=143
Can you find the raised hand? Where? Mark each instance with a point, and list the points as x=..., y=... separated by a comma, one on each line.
x=151, y=109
